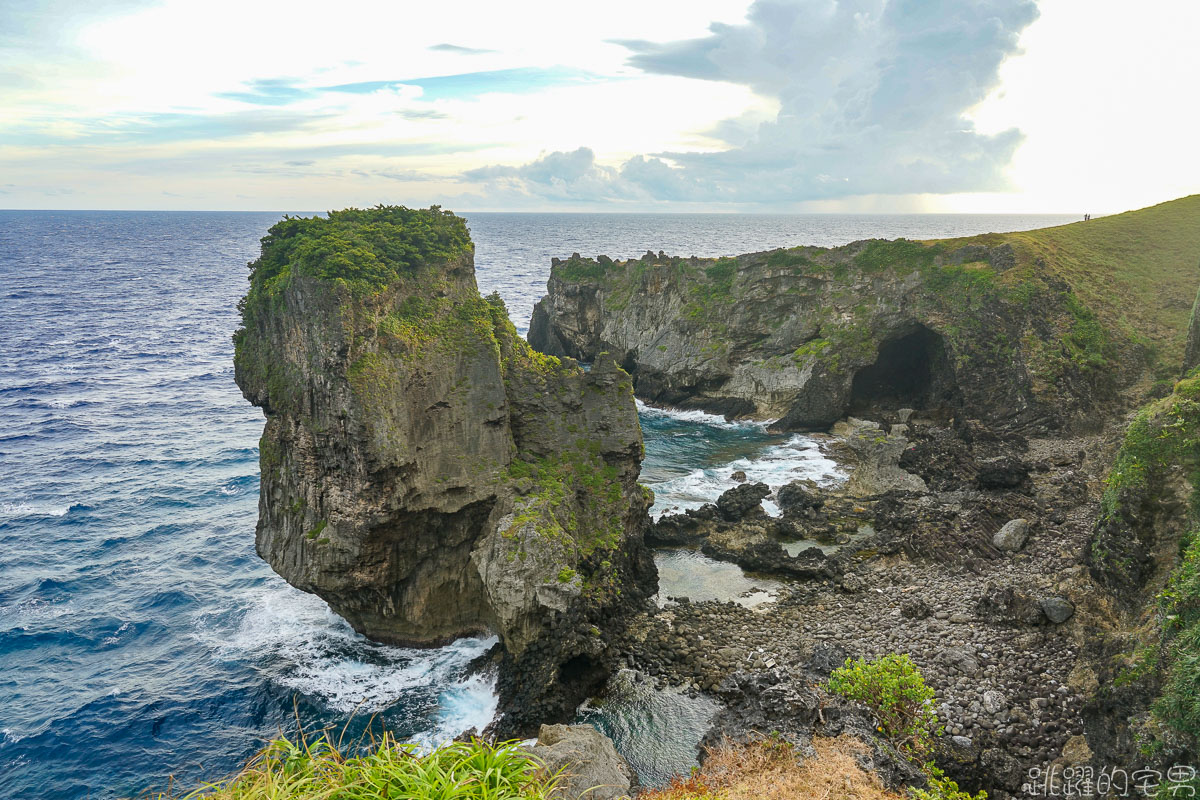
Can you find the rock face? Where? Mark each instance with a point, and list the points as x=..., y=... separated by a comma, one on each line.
x=808, y=335
x=591, y=767
x=427, y=473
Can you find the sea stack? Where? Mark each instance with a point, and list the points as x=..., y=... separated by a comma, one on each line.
x=424, y=470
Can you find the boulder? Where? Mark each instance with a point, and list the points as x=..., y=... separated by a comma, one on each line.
x=799, y=498
x=1012, y=536
x=1003, y=472
x=1057, y=609
x=742, y=500
x=591, y=768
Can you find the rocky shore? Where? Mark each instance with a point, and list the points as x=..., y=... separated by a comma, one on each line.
x=996, y=630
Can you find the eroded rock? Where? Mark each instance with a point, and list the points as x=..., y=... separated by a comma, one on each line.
x=591, y=768
x=426, y=472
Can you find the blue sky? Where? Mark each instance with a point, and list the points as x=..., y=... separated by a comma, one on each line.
x=755, y=105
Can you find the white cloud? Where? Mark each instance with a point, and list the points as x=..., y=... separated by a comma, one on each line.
x=810, y=104
x=872, y=100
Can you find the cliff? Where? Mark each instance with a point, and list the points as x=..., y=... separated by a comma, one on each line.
x=427, y=473
x=1146, y=551
x=1031, y=331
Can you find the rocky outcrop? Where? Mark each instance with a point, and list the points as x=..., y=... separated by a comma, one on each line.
x=807, y=335
x=1144, y=551
x=590, y=768
x=427, y=473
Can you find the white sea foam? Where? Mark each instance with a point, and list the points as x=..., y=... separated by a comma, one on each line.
x=699, y=417
x=304, y=646
x=23, y=509
x=798, y=458
x=466, y=704
x=117, y=636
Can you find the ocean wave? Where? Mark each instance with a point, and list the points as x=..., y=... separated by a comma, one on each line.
x=466, y=704
x=697, y=416
x=796, y=459
x=304, y=646
x=23, y=509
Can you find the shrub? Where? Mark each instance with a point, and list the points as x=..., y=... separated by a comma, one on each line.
x=942, y=788
x=896, y=694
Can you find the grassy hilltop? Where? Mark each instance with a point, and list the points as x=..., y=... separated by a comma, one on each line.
x=1138, y=270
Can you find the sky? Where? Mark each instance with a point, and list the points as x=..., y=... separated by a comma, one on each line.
x=1021, y=106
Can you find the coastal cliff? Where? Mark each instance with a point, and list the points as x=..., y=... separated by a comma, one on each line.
x=1004, y=328
x=424, y=470
x=1008, y=523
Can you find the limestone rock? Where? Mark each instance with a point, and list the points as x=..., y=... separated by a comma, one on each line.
x=805, y=336
x=877, y=461
x=1012, y=536
x=1076, y=751
x=742, y=500
x=426, y=472
x=591, y=767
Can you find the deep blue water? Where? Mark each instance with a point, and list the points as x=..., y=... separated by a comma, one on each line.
x=140, y=636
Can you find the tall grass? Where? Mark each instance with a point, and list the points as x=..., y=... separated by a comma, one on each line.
x=475, y=770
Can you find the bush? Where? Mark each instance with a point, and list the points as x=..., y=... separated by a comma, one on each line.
x=942, y=788
x=474, y=770
x=896, y=694
x=366, y=248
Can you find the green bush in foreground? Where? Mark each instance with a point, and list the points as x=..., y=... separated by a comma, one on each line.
x=942, y=788
x=472, y=770
x=893, y=689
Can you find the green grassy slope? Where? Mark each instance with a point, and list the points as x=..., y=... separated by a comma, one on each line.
x=1138, y=271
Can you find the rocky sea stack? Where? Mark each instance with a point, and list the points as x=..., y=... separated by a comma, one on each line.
x=424, y=470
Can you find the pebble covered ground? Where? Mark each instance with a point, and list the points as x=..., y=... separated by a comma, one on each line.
x=1007, y=686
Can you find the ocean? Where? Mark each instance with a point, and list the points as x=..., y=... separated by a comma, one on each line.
x=141, y=638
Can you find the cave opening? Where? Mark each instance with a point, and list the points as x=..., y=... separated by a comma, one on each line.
x=581, y=673
x=911, y=370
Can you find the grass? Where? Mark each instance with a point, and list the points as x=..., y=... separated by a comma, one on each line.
x=771, y=770
x=1138, y=270
x=475, y=770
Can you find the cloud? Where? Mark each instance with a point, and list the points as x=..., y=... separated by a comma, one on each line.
x=873, y=97
x=269, y=92
x=445, y=47
x=421, y=113
x=463, y=85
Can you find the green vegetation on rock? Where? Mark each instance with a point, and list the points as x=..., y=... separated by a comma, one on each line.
x=895, y=692
x=1139, y=517
x=1136, y=271
x=366, y=248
